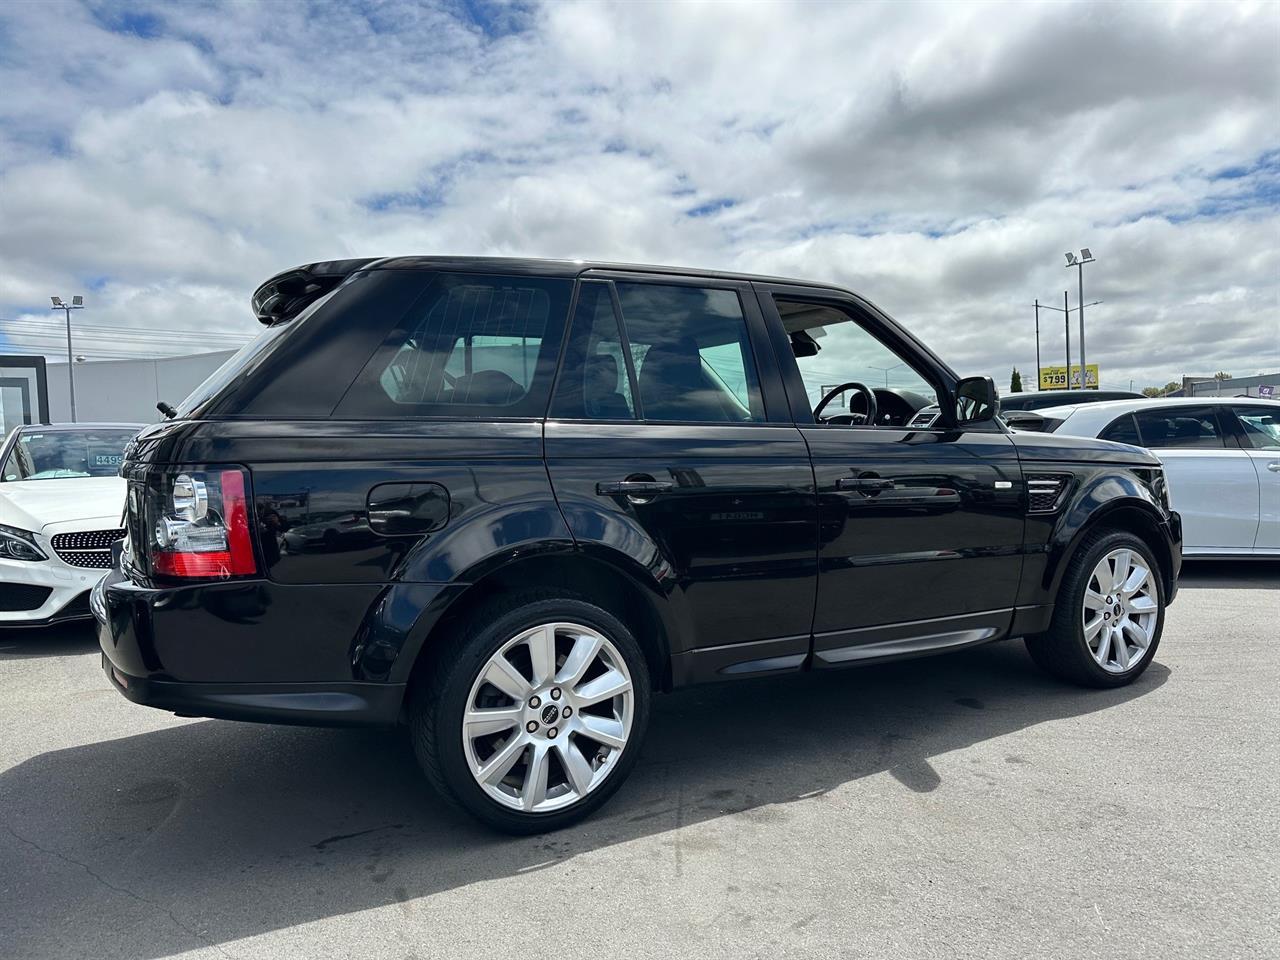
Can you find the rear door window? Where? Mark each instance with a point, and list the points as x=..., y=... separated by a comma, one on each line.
x=472, y=346
x=691, y=354
x=1180, y=428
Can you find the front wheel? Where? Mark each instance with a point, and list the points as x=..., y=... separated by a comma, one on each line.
x=535, y=717
x=1108, y=615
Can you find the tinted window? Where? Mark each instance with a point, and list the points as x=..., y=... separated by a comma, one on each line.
x=1261, y=426
x=691, y=354
x=61, y=454
x=593, y=383
x=833, y=348
x=471, y=346
x=1123, y=430
x=1181, y=427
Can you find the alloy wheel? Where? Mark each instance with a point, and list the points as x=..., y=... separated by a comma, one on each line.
x=1120, y=610
x=548, y=717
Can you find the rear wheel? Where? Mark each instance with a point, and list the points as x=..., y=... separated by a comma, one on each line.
x=535, y=717
x=1108, y=616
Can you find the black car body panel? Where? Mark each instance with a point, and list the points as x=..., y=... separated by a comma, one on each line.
x=765, y=543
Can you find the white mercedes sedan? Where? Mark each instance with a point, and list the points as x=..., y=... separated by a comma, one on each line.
x=60, y=508
x=1221, y=459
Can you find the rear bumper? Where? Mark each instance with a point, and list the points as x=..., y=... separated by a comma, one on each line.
x=307, y=704
x=247, y=650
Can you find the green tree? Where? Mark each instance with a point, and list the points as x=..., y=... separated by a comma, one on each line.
x=1015, y=382
x=1222, y=375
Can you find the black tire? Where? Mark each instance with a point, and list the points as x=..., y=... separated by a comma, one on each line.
x=1062, y=650
x=440, y=699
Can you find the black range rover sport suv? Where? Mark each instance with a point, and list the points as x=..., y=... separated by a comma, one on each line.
x=504, y=502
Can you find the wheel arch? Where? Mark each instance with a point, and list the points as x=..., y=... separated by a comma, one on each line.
x=1131, y=514
x=605, y=581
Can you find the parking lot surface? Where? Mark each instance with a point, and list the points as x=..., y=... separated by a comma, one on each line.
x=963, y=806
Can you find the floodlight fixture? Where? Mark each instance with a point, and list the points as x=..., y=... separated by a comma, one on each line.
x=78, y=301
x=1084, y=255
x=56, y=301
x=1071, y=259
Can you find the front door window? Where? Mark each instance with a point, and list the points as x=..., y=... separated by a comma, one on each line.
x=833, y=351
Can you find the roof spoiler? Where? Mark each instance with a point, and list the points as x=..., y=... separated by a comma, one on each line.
x=287, y=294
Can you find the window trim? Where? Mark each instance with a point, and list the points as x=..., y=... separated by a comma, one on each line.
x=628, y=358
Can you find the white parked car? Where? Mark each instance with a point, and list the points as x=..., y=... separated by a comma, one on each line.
x=1221, y=459
x=60, y=508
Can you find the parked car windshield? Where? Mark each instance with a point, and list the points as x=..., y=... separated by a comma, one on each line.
x=58, y=454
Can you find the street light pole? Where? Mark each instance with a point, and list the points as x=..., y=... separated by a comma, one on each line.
x=886, y=371
x=77, y=303
x=1037, y=346
x=1066, y=319
x=1078, y=263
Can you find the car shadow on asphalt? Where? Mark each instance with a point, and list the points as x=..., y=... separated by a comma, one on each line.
x=63, y=640
x=1232, y=574
x=207, y=832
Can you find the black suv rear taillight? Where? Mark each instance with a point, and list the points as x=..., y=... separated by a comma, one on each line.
x=195, y=523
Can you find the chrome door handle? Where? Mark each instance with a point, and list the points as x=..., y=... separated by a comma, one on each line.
x=864, y=484
x=633, y=488
x=1274, y=466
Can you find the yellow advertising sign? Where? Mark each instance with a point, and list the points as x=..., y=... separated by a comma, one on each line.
x=1055, y=378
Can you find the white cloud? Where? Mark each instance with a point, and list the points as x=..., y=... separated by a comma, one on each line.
x=938, y=158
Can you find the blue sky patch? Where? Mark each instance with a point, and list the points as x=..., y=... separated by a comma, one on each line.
x=710, y=207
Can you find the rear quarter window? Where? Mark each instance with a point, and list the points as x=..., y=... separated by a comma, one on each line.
x=471, y=346
x=1123, y=430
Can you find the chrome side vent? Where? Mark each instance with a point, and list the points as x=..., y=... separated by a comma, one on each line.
x=1046, y=491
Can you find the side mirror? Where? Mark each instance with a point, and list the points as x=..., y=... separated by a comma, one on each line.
x=976, y=400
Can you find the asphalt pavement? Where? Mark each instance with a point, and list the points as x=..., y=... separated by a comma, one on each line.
x=961, y=806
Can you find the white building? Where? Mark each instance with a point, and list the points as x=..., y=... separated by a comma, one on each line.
x=106, y=390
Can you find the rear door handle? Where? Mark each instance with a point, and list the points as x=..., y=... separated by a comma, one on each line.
x=864, y=484
x=633, y=488
x=1274, y=466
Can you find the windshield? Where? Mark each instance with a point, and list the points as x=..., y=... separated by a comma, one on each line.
x=58, y=454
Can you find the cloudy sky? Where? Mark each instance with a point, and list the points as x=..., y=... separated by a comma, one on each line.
x=163, y=159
